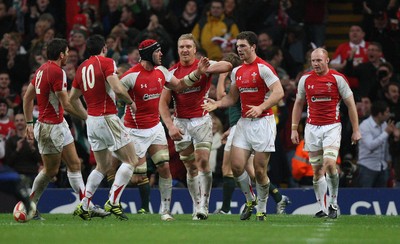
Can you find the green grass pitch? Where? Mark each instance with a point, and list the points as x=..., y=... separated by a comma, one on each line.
x=64, y=228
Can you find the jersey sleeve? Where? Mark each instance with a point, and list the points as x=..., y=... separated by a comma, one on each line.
x=301, y=92
x=343, y=87
x=267, y=75
x=233, y=75
x=60, y=81
x=109, y=68
x=168, y=75
x=129, y=80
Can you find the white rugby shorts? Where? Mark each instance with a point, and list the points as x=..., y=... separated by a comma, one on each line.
x=256, y=134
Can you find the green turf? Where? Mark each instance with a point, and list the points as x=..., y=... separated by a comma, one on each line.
x=62, y=228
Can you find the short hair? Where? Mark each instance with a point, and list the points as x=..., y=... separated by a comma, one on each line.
x=389, y=66
x=249, y=36
x=233, y=58
x=55, y=47
x=386, y=88
x=95, y=44
x=377, y=44
x=323, y=50
x=218, y=1
x=378, y=106
x=189, y=36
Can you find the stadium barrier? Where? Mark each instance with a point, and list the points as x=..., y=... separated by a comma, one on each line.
x=352, y=201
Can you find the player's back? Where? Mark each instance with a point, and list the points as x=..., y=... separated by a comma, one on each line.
x=91, y=79
x=48, y=80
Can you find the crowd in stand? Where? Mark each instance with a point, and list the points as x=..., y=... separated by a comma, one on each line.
x=287, y=32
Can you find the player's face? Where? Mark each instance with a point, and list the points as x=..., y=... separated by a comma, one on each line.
x=244, y=50
x=157, y=55
x=64, y=58
x=319, y=62
x=186, y=51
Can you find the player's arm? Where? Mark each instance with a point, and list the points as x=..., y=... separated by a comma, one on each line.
x=351, y=105
x=296, y=115
x=63, y=98
x=120, y=90
x=219, y=67
x=276, y=94
x=226, y=101
x=28, y=109
x=76, y=103
x=163, y=108
x=188, y=80
x=221, y=85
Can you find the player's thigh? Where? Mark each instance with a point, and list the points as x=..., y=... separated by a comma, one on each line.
x=332, y=136
x=51, y=163
x=239, y=157
x=313, y=135
x=127, y=154
x=226, y=164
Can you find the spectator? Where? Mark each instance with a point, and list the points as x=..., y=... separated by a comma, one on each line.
x=111, y=16
x=166, y=17
x=22, y=153
x=315, y=15
x=7, y=23
x=355, y=50
x=373, y=158
x=274, y=56
x=7, y=127
x=365, y=72
x=388, y=37
x=78, y=41
x=14, y=60
x=384, y=76
x=214, y=24
x=12, y=98
x=188, y=17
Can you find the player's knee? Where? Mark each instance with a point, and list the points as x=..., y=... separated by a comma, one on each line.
x=141, y=169
x=331, y=154
x=203, y=146
x=316, y=160
x=161, y=157
x=186, y=158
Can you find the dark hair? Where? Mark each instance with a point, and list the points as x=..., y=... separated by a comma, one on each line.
x=386, y=88
x=55, y=47
x=271, y=52
x=249, y=36
x=95, y=44
x=378, y=106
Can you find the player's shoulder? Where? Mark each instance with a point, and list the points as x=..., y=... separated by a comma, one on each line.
x=135, y=69
x=336, y=73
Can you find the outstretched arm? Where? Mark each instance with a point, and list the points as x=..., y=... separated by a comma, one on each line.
x=226, y=101
x=189, y=80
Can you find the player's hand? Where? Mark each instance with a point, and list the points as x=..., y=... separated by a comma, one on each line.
x=295, y=137
x=355, y=137
x=209, y=105
x=175, y=133
x=29, y=132
x=224, y=137
x=203, y=65
x=133, y=107
x=254, y=111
